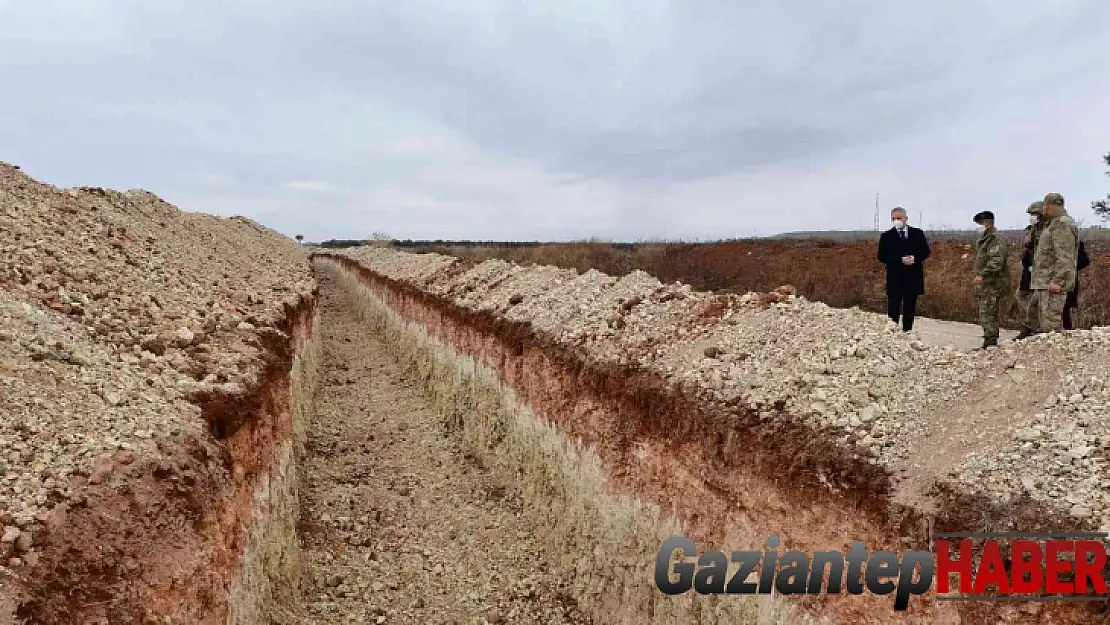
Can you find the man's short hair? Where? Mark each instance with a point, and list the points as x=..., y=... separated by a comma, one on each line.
x=898, y=209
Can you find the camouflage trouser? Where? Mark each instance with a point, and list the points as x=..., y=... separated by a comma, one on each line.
x=1030, y=317
x=1050, y=310
x=990, y=307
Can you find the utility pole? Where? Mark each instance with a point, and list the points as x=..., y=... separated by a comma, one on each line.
x=878, y=226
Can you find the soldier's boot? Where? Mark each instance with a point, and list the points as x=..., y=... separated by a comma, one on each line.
x=1024, y=334
x=989, y=343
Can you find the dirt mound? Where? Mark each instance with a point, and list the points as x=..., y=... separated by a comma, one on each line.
x=841, y=273
x=123, y=322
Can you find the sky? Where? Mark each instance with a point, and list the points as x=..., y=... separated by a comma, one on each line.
x=564, y=119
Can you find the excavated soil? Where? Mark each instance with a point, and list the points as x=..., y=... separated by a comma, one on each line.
x=148, y=365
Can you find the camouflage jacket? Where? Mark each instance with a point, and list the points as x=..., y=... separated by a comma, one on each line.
x=1057, y=254
x=992, y=260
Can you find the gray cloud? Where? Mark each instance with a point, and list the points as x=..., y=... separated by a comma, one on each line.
x=498, y=119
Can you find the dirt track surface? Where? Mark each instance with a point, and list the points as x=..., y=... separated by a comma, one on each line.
x=962, y=336
x=400, y=525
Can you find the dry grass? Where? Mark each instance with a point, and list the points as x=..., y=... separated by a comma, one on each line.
x=607, y=546
x=841, y=274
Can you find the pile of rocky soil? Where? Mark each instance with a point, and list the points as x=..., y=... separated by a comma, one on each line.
x=115, y=309
x=1026, y=418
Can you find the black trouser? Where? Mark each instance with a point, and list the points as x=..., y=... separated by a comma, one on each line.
x=901, y=305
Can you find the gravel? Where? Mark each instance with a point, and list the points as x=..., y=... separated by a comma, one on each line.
x=1031, y=417
x=114, y=308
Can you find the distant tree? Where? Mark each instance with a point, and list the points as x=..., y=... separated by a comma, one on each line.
x=1102, y=207
x=299, y=238
x=379, y=239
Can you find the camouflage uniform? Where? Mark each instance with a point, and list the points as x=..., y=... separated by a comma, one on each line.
x=1054, y=262
x=1030, y=320
x=992, y=264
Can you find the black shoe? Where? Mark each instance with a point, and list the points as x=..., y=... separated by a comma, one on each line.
x=1024, y=334
x=989, y=343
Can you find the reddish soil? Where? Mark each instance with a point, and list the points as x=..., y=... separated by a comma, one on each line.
x=163, y=537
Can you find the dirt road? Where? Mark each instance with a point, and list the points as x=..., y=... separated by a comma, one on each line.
x=399, y=525
x=962, y=336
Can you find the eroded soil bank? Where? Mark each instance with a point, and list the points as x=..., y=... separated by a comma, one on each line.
x=722, y=481
x=154, y=366
x=204, y=533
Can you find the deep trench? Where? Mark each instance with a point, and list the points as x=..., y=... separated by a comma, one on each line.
x=402, y=522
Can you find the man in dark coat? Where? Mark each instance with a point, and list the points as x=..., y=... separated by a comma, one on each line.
x=1030, y=318
x=903, y=249
x=1072, y=301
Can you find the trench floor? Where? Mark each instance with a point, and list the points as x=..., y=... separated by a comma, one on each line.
x=400, y=524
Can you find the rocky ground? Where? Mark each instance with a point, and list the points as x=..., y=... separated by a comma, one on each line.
x=400, y=525
x=1028, y=417
x=116, y=309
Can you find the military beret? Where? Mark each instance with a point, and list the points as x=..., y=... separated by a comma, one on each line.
x=1054, y=199
x=1036, y=208
x=983, y=215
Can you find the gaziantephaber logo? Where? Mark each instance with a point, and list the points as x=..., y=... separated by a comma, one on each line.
x=1006, y=566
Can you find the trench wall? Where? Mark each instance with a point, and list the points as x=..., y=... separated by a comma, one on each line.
x=712, y=472
x=202, y=534
x=269, y=580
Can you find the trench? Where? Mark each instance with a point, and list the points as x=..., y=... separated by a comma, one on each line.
x=576, y=545
x=432, y=494
x=404, y=461
x=401, y=520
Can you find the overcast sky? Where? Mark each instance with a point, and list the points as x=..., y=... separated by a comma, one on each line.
x=563, y=119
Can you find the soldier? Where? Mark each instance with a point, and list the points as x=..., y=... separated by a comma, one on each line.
x=1024, y=295
x=992, y=275
x=1054, y=263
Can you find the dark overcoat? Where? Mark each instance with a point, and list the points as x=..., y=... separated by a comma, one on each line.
x=904, y=279
x=1072, y=300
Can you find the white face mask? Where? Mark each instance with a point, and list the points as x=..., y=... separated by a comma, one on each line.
x=900, y=223
x=980, y=228
x=1033, y=219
